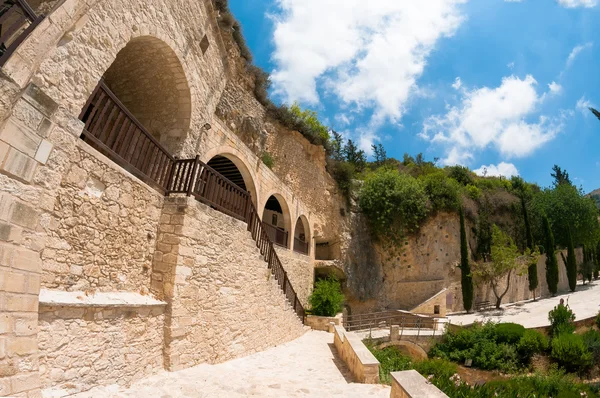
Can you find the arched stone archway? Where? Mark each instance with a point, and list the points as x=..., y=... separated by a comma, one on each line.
x=225, y=163
x=302, y=237
x=276, y=216
x=148, y=78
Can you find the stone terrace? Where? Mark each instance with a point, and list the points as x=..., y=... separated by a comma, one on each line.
x=305, y=367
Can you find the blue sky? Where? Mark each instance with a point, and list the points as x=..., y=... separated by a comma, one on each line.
x=484, y=83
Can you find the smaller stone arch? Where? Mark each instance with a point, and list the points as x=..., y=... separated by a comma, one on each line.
x=276, y=216
x=234, y=157
x=302, y=241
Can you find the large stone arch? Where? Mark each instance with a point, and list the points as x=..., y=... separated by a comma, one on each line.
x=286, y=212
x=302, y=226
x=237, y=158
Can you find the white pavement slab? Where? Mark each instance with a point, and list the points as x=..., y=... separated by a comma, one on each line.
x=585, y=303
x=305, y=367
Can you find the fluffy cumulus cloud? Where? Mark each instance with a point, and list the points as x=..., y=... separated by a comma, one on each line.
x=578, y=3
x=492, y=117
x=368, y=54
x=555, y=88
x=502, y=169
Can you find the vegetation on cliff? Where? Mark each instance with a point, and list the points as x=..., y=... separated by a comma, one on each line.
x=466, y=278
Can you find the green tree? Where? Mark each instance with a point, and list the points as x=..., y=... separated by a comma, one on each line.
x=336, y=146
x=354, y=156
x=551, y=263
x=521, y=188
x=560, y=176
x=326, y=298
x=380, y=154
x=597, y=261
x=586, y=268
x=504, y=261
x=443, y=192
x=571, y=263
x=466, y=279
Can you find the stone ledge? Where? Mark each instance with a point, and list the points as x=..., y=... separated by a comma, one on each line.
x=360, y=361
x=99, y=299
x=410, y=384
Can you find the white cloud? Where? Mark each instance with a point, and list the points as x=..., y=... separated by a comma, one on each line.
x=578, y=3
x=555, y=88
x=584, y=106
x=492, y=117
x=457, y=84
x=368, y=54
x=502, y=169
x=576, y=51
x=343, y=119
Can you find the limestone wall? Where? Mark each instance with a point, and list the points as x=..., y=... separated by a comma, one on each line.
x=82, y=347
x=221, y=295
x=300, y=270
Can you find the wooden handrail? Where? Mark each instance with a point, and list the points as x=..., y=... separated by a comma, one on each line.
x=14, y=18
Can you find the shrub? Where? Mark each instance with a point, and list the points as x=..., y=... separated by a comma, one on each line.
x=461, y=174
x=443, y=192
x=305, y=122
x=532, y=342
x=598, y=320
x=262, y=83
x=591, y=338
x=509, y=333
x=389, y=199
x=268, y=159
x=473, y=192
x=326, y=298
x=561, y=320
x=570, y=352
x=343, y=174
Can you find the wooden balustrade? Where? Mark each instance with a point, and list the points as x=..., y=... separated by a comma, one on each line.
x=278, y=236
x=114, y=131
x=300, y=246
x=17, y=21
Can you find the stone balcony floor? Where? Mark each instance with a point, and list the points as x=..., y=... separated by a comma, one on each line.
x=305, y=367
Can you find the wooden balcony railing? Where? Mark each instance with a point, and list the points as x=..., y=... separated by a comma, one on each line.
x=277, y=236
x=114, y=131
x=17, y=21
x=300, y=246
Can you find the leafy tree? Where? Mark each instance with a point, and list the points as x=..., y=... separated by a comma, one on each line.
x=504, y=261
x=560, y=176
x=551, y=263
x=407, y=159
x=380, y=154
x=443, y=192
x=461, y=174
x=355, y=156
x=466, y=279
x=326, y=298
x=571, y=263
x=392, y=202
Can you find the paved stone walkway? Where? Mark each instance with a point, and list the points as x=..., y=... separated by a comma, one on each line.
x=305, y=367
x=585, y=303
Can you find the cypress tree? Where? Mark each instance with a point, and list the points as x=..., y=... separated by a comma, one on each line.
x=571, y=264
x=466, y=279
x=597, y=261
x=551, y=263
x=532, y=269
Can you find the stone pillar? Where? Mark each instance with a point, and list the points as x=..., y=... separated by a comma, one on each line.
x=24, y=150
x=394, y=333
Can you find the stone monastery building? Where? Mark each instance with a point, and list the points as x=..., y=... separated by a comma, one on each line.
x=131, y=194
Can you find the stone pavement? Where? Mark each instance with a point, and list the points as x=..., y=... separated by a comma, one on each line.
x=305, y=367
x=585, y=303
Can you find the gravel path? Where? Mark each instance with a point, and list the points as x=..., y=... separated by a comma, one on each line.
x=305, y=367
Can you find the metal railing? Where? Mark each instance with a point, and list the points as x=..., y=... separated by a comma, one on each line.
x=300, y=246
x=277, y=236
x=385, y=319
x=113, y=130
x=17, y=21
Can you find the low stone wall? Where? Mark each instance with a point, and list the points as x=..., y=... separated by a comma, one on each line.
x=360, y=361
x=322, y=322
x=83, y=347
x=222, y=297
x=410, y=384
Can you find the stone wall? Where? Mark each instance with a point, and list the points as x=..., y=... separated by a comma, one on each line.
x=221, y=295
x=81, y=347
x=300, y=270
x=102, y=230
x=360, y=361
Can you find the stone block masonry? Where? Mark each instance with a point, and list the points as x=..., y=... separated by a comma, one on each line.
x=221, y=296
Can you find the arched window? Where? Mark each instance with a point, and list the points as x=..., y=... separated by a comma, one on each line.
x=301, y=236
x=276, y=220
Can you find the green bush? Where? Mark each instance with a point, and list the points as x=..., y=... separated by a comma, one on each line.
x=571, y=352
x=326, y=298
x=598, y=320
x=461, y=174
x=532, y=342
x=268, y=159
x=443, y=192
x=389, y=199
x=561, y=320
x=303, y=121
x=343, y=173
x=473, y=192
x=591, y=338
x=509, y=333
